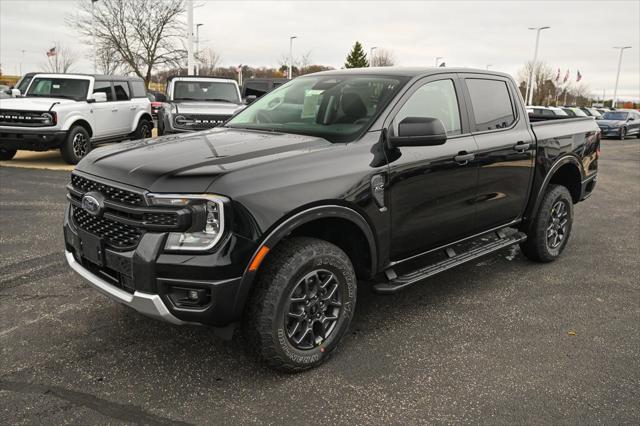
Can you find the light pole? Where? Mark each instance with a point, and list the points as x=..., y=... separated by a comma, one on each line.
x=22, y=60
x=198, y=46
x=190, y=37
x=438, y=60
x=93, y=34
x=614, y=101
x=529, y=91
x=290, y=73
x=371, y=55
x=489, y=65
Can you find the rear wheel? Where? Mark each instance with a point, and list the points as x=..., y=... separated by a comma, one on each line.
x=7, y=154
x=76, y=145
x=302, y=305
x=143, y=130
x=551, y=228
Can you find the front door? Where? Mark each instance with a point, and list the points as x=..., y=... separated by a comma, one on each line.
x=432, y=188
x=506, y=150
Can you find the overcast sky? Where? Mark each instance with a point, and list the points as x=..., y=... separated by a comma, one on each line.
x=465, y=33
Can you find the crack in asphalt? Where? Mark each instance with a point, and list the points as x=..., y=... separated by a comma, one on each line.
x=114, y=410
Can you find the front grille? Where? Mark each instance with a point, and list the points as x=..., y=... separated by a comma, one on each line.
x=200, y=122
x=110, y=192
x=167, y=219
x=24, y=118
x=114, y=233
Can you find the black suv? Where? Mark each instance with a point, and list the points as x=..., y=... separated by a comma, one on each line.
x=383, y=176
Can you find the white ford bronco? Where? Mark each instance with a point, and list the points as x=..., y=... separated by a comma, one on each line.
x=74, y=112
x=198, y=103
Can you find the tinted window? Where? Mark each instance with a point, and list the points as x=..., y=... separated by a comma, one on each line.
x=103, y=87
x=436, y=100
x=24, y=83
x=122, y=90
x=139, y=91
x=491, y=104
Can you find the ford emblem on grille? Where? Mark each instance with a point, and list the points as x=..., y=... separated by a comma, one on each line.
x=92, y=203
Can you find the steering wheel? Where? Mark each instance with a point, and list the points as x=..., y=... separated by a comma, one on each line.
x=274, y=103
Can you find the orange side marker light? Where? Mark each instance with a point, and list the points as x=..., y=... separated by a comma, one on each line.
x=255, y=263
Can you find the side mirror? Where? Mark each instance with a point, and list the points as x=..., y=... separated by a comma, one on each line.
x=419, y=131
x=97, y=97
x=630, y=119
x=250, y=99
x=161, y=98
x=15, y=93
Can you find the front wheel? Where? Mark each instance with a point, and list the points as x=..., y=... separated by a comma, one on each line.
x=76, y=145
x=7, y=154
x=551, y=228
x=623, y=133
x=302, y=305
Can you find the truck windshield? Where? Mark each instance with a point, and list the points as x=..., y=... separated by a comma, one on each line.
x=66, y=88
x=207, y=91
x=615, y=115
x=335, y=107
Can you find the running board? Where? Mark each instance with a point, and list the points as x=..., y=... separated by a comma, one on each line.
x=397, y=283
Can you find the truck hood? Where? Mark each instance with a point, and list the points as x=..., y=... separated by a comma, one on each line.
x=191, y=162
x=32, y=104
x=215, y=108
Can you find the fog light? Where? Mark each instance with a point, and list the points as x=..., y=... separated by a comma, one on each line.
x=189, y=298
x=193, y=295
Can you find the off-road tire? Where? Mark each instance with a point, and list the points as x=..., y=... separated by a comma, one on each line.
x=544, y=232
x=144, y=129
x=76, y=145
x=265, y=328
x=7, y=154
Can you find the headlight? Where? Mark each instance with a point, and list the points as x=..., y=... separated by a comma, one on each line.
x=48, y=119
x=172, y=108
x=208, y=220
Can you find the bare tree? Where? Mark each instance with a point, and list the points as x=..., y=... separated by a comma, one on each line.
x=382, y=58
x=209, y=60
x=60, y=60
x=144, y=34
x=109, y=62
x=543, y=82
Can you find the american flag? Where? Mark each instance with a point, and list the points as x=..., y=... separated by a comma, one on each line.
x=239, y=68
x=566, y=77
x=51, y=52
x=579, y=76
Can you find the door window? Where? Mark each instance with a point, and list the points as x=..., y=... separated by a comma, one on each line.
x=436, y=99
x=122, y=90
x=491, y=104
x=103, y=87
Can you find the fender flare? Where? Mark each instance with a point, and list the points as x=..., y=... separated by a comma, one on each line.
x=291, y=223
x=72, y=119
x=562, y=161
x=139, y=117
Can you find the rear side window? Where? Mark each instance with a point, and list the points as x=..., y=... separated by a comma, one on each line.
x=491, y=104
x=122, y=90
x=138, y=89
x=103, y=87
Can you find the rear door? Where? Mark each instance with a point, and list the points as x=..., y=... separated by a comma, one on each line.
x=506, y=149
x=104, y=113
x=431, y=187
x=126, y=109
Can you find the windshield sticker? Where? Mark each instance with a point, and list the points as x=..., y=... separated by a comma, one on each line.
x=309, y=108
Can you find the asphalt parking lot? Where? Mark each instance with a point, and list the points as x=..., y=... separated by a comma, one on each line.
x=498, y=341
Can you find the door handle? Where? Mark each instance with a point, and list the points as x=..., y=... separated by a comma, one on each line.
x=521, y=146
x=114, y=110
x=463, y=158
x=132, y=107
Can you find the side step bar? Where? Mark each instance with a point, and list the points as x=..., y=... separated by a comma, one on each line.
x=397, y=283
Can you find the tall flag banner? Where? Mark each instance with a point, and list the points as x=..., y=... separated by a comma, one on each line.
x=566, y=77
x=558, y=76
x=579, y=76
x=51, y=52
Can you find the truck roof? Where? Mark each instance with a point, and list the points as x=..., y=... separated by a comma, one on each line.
x=409, y=71
x=200, y=77
x=97, y=77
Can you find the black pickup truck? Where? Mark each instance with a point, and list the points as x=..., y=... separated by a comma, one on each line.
x=379, y=176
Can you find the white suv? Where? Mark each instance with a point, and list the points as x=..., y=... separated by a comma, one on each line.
x=74, y=112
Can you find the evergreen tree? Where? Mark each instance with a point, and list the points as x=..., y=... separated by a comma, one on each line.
x=357, y=58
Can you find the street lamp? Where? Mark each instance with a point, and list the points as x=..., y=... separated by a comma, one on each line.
x=22, y=60
x=371, y=55
x=197, y=46
x=290, y=74
x=529, y=91
x=438, y=59
x=489, y=65
x=93, y=35
x=614, y=101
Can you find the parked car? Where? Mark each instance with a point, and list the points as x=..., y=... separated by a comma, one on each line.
x=387, y=176
x=254, y=88
x=574, y=112
x=620, y=123
x=546, y=111
x=156, y=99
x=198, y=103
x=5, y=91
x=592, y=112
x=74, y=112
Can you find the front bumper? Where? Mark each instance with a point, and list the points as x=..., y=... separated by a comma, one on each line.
x=31, y=139
x=610, y=132
x=146, y=278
